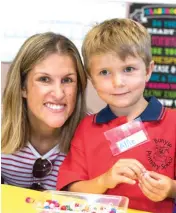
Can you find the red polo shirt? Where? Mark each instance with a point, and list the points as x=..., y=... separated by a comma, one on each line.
x=90, y=154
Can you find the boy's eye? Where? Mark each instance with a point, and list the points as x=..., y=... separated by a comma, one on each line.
x=44, y=79
x=128, y=69
x=67, y=80
x=104, y=72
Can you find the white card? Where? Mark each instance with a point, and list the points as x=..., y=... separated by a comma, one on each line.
x=131, y=141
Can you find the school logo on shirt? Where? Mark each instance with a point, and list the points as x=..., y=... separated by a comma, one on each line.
x=159, y=158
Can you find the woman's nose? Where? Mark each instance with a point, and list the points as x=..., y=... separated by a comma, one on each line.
x=58, y=91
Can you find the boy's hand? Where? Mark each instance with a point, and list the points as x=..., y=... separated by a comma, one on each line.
x=124, y=171
x=156, y=186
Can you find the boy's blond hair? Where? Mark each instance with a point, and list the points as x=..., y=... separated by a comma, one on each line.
x=124, y=37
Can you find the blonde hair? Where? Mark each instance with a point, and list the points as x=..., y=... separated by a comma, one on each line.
x=121, y=36
x=15, y=124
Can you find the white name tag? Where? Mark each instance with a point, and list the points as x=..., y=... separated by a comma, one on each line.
x=131, y=141
x=127, y=136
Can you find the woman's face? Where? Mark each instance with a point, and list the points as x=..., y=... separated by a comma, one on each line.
x=50, y=91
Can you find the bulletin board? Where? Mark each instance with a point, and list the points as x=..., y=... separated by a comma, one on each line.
x=160, y=21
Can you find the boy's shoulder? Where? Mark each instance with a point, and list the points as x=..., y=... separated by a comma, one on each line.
x=88, y=119
x=85, y=124
x=169, y=117
x=171, y=110
x=170, y=113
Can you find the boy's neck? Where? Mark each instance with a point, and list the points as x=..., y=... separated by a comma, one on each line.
x=131, y=112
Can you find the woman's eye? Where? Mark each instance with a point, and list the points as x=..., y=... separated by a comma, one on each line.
x=67, y=80
x=128, y=69
x=104, y=72
x=44, y=79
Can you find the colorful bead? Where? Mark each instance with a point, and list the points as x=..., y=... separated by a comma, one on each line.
x=29, y=200
x=49, y=201
x=46, y=203
x=56, y=204
x=63, y=208
x=113, y=210
x=51, y=205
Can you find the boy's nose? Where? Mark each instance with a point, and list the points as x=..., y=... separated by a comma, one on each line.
x=118, y=81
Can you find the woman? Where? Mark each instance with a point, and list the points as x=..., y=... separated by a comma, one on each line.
x=43, y=103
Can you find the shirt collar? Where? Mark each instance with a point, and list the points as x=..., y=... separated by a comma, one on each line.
x=153, y=112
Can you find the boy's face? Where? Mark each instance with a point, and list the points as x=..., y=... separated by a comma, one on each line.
x=119, y=83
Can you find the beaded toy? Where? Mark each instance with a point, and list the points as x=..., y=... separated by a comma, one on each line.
x=53, y=206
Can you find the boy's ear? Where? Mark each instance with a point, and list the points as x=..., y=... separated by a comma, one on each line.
x=149, y=71
x=24, y=92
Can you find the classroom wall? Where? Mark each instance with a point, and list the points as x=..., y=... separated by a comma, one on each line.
x=4, y=70
x=16, y=30
x=73, y=23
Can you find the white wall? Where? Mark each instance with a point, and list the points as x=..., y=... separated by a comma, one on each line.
x=68, y=17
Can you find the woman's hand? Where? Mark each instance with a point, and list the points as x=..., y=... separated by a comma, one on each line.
x=123, y=171
x=156, y=186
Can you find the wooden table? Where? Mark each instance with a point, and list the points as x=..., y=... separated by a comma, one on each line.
x=13, y=200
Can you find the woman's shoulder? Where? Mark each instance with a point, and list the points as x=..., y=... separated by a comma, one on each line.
x=24, y=152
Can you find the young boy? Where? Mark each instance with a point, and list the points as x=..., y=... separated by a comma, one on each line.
x=117, y=57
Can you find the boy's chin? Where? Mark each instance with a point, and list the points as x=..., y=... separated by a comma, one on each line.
x=122, y=104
